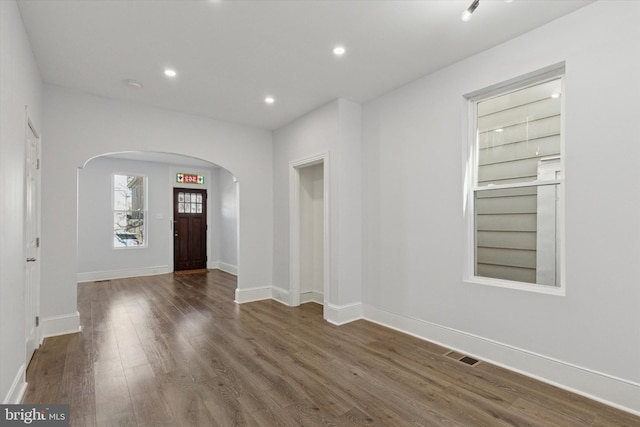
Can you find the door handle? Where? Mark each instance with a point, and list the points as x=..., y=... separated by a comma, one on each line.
x=175, y=235
x=31, y=260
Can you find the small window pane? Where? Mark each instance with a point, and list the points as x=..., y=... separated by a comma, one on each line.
x=515, y=131
x=516, y=234
x=180, y=207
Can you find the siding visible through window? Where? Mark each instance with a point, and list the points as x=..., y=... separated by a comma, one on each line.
x=516, y=133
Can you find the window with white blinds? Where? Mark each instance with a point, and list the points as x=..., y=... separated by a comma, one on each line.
x=516, y=185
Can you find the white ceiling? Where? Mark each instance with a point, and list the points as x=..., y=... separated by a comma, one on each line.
x=230, y=54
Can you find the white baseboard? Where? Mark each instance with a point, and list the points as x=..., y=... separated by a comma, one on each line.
x=341, y=314
x=59, y=325
x=281, y=295
x=604, y=388
x=18, y=387
x=227, y=268
x=93, y=276
x=253, y=294
x=312, y=296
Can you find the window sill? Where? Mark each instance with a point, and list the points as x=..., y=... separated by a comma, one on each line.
x=521, y=286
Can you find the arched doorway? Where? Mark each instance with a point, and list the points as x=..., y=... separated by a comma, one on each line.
x=126, y=218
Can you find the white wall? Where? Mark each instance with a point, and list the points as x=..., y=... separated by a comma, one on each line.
x=334, y=129
x=80, y=127
x=98, y=260
x=588, y=340
x=350, y=213
x=228, y=218
x=21, y=87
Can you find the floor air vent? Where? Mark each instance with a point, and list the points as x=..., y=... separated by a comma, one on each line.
x=461, y=358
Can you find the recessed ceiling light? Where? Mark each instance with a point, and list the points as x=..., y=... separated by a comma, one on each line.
x=169, y=72
x=500, y=130
x=269, y=100
x=555, y=95
x=466, y=15
x=339, y=50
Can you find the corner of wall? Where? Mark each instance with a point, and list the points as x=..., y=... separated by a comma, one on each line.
x=17, y=389
x=60, y=325
x=342, y=314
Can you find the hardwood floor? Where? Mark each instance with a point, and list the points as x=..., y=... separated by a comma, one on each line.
x=176, y=350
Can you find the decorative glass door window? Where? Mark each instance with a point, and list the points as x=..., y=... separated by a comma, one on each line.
x=189, y=203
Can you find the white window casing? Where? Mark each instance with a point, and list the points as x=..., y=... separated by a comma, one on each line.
x=514, y=179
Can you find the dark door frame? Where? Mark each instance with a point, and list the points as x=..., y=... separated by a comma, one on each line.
x=189, y=229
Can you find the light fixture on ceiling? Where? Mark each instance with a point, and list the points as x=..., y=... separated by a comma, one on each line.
x=555, y=95
x=339, y=50
x=466, y=15
x=170, y=72
x=269, y=100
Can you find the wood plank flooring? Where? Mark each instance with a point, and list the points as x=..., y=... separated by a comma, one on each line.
x=176, y=350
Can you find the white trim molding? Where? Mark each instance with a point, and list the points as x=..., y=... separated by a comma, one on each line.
x=60, y=325
x=93, y=276
x=294, y=223
x=281, y=295
x=252, y=294
x=342, y=314
x=18, y=387
x=312, y=296
x=227, y=268
x=612, y=391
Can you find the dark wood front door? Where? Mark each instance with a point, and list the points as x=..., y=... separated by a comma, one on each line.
x=189, y=229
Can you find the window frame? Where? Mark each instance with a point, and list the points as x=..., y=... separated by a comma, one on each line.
x=470, y=179
x=145, y=226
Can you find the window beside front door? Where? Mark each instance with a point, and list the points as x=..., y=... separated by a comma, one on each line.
x=129, y=209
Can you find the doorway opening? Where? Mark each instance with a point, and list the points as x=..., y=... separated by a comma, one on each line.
x=309, y=263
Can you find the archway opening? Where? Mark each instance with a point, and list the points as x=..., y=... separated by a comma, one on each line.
x=126, y=221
